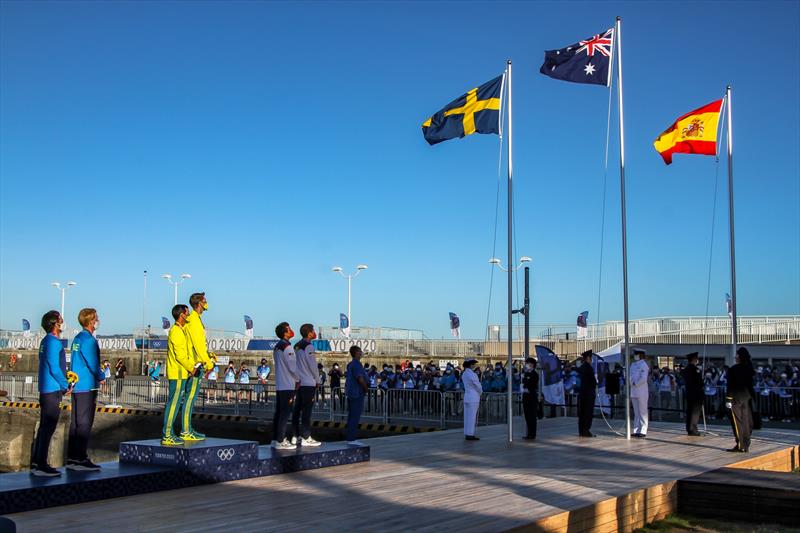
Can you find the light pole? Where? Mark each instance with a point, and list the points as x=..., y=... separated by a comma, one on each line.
x=510, y=397
x=63, y=289
x=349, y=277
x=175, y=283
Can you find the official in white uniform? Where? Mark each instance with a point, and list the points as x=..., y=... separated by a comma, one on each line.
x=639, y=374
x=472, y=398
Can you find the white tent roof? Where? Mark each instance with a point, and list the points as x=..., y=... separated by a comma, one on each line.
x=612, y=354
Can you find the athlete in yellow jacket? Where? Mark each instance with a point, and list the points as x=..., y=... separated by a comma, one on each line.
x=202, y=361
x=180, y=366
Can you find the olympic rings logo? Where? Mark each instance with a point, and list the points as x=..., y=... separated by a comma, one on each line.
x=226, y=454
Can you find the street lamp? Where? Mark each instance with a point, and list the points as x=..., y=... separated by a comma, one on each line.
x=63, y=289
x=522, y=260
x=175, y=283
x=349, y=277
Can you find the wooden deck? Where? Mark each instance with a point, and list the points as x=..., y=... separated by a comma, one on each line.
x=438, y=482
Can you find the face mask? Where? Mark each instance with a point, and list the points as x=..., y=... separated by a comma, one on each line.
x=205, y=306
x=498, y=373
x=312, y=335
x=96, y=325
x=528, y=367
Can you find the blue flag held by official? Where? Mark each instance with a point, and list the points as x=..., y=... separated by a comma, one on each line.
x=587, y=61
x=552, y=375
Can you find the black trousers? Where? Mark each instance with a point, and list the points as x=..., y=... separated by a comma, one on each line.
x=49, y=411
x=530, y=406
x=283, y=399
x=80, y=424
x=585, y=413
x=742, y=423
x=693, y=410
x=302, y=411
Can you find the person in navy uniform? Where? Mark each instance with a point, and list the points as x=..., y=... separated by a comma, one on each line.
x=695, y=394
x=356, y=388
x=530, y=397
x=586, y=396
x=738, y=399
x=53, y=386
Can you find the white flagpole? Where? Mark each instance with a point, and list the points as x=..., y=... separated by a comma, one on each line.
x=510, y=264
x=618, y=38
x=734, y=336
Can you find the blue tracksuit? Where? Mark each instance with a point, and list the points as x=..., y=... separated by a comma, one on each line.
x=86, y=362
x=52, y=365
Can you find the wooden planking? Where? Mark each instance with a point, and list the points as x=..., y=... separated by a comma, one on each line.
x=785, y=460
x=437, y=481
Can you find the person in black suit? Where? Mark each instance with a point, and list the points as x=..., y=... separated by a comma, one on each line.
x=738, y=397
x=530, y=397
x=695, y=395
x=586, y=395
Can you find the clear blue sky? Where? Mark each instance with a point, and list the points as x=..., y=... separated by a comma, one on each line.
x=257, y=144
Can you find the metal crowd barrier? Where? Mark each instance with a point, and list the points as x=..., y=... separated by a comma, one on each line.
x=399, y=406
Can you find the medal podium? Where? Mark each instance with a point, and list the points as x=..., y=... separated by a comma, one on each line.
x=147, y=466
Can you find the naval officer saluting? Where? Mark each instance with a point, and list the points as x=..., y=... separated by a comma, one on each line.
x=738, y=399
x=472, y=398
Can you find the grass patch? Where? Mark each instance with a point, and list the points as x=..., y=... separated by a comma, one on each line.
x=678, y=523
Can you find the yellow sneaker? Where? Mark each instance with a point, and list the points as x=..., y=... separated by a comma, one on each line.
x=171, y=440
x=192, y=436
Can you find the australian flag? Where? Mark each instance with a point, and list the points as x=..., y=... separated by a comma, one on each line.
x=587, y=61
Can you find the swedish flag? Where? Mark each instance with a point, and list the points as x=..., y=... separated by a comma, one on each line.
x=478, y=111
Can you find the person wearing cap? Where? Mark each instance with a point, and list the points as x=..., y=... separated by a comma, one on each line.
x=587, y=395
x=695, y=394
x=530, y=397
x=263, y=371
x=640, y=371
x=738, y=398
x=472, y=398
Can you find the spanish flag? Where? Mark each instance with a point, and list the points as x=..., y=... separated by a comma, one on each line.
x=693, y=133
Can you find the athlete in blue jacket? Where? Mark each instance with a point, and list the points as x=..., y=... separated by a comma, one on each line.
x=52, y=386
x=85, y=362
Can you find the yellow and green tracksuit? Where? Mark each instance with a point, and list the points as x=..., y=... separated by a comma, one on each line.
x=198, y=353
x=196, y=336
x=180, y=366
